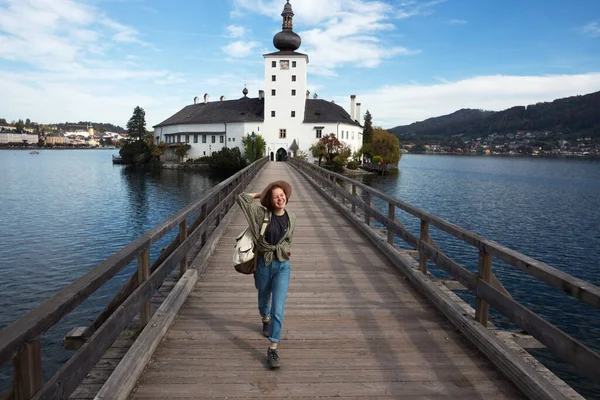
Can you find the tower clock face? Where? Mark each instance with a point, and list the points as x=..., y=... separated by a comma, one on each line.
x=285, y=64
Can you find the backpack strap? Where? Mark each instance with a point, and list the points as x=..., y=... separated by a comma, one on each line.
x=266, y=221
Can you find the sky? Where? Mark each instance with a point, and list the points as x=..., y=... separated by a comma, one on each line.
x=405, y=60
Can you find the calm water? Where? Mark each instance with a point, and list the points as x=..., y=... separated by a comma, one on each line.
x=548, y=209
x=64, y=211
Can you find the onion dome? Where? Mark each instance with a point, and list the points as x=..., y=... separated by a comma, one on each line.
x=245, y=92
x=287, y=40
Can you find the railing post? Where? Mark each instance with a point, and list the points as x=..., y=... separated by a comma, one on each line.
x=28, y=371
x=218, y=217
x=333, y=186
x=391, y=217
x=424, y=238
x=183, y=233
x=485, y=274
x=143, y=275
x=202, y=218
x=354, y=196
x=367, y=204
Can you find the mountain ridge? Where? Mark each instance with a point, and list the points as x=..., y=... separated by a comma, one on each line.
x=574, y=115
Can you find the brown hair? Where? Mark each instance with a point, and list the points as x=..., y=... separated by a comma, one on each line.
x=269, y=196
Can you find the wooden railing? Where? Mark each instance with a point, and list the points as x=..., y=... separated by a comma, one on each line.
x=484, y=285
x=20, y=341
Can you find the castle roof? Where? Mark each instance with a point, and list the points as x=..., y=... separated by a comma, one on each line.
x=253, y=110
x=243, y=110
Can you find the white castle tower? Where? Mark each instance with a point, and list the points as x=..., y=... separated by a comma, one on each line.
x=285, y=87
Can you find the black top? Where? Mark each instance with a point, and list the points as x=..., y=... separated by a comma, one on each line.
x=277, y=228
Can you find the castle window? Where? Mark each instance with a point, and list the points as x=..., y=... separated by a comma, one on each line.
x=293, y=78
x=293, y=92
x=319, y=133
x=293, y=64
x=195, y=138
x=293, y=114
x=272, y=113
x=273, y=78
x=187, y=138
x=273, y=91
x=203, y=138
x=282, y=133
x=214, y=139
x=273, y=64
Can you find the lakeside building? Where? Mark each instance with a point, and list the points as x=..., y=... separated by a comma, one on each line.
x=7, y=137
x=283, y=113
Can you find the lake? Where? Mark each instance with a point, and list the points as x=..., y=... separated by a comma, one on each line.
x=65, y=211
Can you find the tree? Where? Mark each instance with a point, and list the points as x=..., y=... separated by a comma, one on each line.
x=182, y=150
x=318, y=151
x=386, y=145
x=259, y=147
x=27, y=123
x=136, y=126
x=332, y=146
x=368, y=129
x=227, y=160
x=3, y=121
x=19, y=125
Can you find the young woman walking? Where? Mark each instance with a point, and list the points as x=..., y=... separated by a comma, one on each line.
x=272, y=274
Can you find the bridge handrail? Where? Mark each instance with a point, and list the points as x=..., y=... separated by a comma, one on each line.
x=481, y=284
x=20, y=341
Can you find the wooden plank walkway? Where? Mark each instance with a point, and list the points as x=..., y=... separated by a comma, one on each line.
x=353, y=328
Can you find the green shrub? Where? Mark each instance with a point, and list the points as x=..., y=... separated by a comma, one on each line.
x=227, y=160
x=352, y=165
x=377, y=160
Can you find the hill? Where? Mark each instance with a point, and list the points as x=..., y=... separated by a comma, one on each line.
x=98, y=126
x=577, y=116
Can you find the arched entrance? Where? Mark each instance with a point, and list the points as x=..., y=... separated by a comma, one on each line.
x=272, y=156
x=282, y=154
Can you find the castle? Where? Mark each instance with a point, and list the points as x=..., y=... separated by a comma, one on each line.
x=283, y=113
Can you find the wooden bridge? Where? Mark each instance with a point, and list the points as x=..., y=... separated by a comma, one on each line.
x=364, y=318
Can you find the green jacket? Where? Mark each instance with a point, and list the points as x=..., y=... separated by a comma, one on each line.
x=255, y=214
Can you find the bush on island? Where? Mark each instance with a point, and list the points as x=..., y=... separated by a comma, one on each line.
x=229, y=160
x=377, y=160
x=352, y=164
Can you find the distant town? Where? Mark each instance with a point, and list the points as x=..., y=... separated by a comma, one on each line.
x=27, y=134
x=518, y=143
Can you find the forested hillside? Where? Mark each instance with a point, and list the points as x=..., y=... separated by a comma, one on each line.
x=578, y=115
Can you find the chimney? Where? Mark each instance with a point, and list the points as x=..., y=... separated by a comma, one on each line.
x=261, y=94
x=358, y=112
x=222, y=98
x=196, y=100
x=352, y=106
x=315, y=96
x=307, y=94
x=205, y=98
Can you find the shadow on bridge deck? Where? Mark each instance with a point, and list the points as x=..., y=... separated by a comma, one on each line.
x=354, y=327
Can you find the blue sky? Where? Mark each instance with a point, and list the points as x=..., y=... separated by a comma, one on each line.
x=71, y=60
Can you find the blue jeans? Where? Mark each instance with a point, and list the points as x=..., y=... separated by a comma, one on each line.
x=272, y=284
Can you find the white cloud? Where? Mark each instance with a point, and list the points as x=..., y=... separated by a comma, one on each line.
x=239, y=48
x=593, y=29
x=235, y=31
x=457, y=22
x=342, y=33
x=409, y=9
x=404, y=104
x=57, y=32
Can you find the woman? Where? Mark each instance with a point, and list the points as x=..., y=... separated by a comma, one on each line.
x=272, y=274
